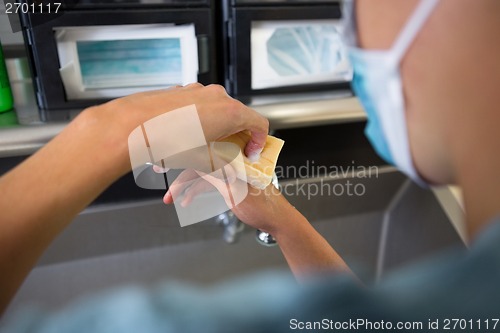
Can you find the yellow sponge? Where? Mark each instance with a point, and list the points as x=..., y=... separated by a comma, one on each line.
x=260, y=173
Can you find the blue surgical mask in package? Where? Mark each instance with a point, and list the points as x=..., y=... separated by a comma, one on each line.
x=118, y=60
x=130, y=63
x=286, y=53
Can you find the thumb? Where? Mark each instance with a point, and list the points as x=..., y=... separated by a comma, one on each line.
x=255, y=146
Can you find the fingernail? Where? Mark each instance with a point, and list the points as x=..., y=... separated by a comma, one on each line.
x=159, y=169
x=255, y=156
x=167, y=197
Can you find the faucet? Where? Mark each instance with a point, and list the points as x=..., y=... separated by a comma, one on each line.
x=232, y=226
x=264, y=238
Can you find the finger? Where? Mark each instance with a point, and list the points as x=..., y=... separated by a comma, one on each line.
x=179, y=185
x=230, y=174
x=159, y=169
x=183, y=184
x=198, y=187
x=167, y=198
x=255, y=146
x=193, y=85
x=259, y=127
x=219, y=184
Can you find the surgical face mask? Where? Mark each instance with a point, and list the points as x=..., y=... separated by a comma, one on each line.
x=377, y=83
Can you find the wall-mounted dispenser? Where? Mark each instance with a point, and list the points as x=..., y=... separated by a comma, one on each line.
x=93, y=51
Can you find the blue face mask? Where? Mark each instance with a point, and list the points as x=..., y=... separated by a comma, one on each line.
x=377, y=83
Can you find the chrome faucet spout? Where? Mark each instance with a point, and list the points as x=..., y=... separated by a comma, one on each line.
x=265, y=238
x=233, y=227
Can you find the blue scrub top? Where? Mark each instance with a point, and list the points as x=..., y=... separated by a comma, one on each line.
x=456, y=291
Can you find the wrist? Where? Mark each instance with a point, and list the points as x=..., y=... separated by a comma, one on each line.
x=103, y=139
x=288, y=221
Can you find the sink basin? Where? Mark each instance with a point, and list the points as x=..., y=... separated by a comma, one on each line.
x=387, y=223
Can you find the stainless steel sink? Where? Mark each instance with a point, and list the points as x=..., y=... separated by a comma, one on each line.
x=393, y=223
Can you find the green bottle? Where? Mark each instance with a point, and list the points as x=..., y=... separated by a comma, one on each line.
x=6, y=100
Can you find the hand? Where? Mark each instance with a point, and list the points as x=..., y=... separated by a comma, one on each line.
x=305, y=250
x=261, y=209
x=264, y=209
x=220, y=116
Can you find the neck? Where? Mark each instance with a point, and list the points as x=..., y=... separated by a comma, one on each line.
x=479, y=180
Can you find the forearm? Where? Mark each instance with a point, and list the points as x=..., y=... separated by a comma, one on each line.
x=42, y=195
x=305, y=250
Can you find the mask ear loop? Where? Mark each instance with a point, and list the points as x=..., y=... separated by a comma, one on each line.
x=399, y=49
x=412, y=28
x=349, y=30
